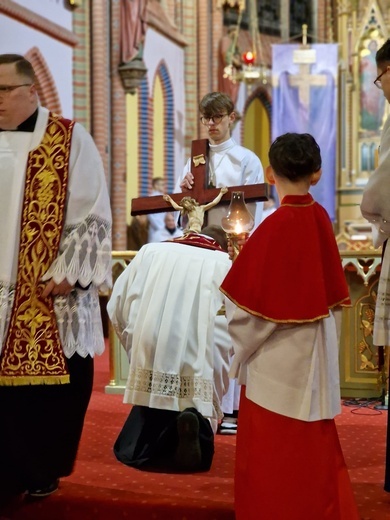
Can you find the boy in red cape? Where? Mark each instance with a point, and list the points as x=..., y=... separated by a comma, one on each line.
x=288, y=288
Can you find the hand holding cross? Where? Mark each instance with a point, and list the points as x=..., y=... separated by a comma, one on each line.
x=199, y=191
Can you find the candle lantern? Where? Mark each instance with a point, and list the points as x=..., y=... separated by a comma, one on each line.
x=238, y=223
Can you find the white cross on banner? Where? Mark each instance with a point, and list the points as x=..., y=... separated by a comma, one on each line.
x=304, y=80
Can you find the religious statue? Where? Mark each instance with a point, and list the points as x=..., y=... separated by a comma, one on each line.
x=133, y=28
x=190, y=207
x=229, y=58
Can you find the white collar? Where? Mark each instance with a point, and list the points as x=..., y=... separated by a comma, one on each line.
x=222, y=147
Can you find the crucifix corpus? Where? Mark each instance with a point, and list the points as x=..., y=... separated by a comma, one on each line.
x=200, y=192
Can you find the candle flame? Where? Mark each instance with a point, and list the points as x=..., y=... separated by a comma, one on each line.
x=238, y=229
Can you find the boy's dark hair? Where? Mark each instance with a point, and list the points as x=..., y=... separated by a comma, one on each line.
x=23, y=66
x=383, y=54
x=295, y=156
x=216, y=103
x=218, y=234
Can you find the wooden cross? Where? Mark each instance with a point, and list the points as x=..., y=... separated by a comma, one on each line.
x=199, y=191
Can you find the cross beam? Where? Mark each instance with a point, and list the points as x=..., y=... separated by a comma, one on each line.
x=199, y=192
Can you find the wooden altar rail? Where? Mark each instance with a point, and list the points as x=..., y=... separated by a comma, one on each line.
x=358, y=357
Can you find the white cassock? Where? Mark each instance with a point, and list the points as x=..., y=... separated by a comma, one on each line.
x=375, y=208
x=164, y=309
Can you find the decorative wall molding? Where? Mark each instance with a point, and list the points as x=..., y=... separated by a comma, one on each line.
x=34, y=20
x=46, y=87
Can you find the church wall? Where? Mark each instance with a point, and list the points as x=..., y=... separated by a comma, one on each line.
x=96, y=40
x=190, y=31
x=324, y=22
x=157, y=49
x=82, y=73
x=192, y=70
x=117, y=133
x=53, y=10
x=19, y=38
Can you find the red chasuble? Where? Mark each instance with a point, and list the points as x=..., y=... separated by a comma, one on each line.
x=290, y=269
x=32, y=353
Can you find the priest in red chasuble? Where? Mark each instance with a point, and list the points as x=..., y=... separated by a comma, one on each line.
x=286, y=291
x=55, y=241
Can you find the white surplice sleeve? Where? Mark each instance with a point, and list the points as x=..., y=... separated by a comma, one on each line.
x=85, y=249
x=248, y=334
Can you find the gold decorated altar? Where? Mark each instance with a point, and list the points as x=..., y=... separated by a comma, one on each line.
x=359, y=374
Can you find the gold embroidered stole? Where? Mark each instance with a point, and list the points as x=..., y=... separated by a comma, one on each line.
x=32, y=353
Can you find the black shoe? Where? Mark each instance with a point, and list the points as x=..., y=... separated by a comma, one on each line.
x=44, y=491
x=188, y=456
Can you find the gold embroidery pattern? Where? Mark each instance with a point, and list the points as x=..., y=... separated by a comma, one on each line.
x=32, y=352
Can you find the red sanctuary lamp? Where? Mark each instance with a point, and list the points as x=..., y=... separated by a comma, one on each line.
x=238, y=223
x=249, y=58
x=251, y=72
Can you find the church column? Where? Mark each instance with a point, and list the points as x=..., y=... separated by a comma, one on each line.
x=284, y=20
x=354, y=96
x=118, y=135
x=205, y=54
x=82, y=67
x=344, y=127
x=99, y=83
x=190, y=24
x=210, y=28
x=216, y=32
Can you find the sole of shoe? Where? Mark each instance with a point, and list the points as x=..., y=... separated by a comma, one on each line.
x=45, y=491
x=188, y=456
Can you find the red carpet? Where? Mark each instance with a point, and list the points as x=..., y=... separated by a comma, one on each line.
x=101, y=488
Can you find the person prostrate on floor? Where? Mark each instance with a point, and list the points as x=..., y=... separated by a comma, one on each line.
x=165, y=308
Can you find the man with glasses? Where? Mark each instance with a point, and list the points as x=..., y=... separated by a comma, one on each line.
x=229, y=163
x=55, y=241
x=375, y=207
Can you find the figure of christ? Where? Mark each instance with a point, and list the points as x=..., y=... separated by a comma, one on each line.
x=190, y=207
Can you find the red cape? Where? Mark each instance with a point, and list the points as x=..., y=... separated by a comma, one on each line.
x=290, y=269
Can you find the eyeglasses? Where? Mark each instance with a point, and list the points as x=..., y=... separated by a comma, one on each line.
x=378, y=81
x=216, y=119
x=4, y=89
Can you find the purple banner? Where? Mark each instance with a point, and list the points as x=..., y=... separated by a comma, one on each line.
x=304, y=100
